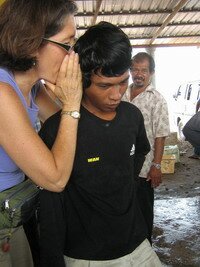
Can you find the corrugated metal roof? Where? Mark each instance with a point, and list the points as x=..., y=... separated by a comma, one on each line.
x=146, y=22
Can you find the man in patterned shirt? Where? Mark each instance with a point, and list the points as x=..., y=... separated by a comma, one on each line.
x=154, y=109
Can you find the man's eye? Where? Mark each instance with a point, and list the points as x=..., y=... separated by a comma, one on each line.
x=103, y=86
x=144, y=71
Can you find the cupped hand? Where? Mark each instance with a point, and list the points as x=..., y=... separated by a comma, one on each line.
x=68, y=87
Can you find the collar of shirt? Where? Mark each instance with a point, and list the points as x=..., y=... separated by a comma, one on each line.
x=149, y=88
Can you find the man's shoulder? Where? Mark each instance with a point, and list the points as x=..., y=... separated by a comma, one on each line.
x=130, y=108
x=157, y=94
x=155, y=97
x=50, y=126
x=53, y=120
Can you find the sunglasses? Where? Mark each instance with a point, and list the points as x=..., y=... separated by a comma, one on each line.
x=67, y=47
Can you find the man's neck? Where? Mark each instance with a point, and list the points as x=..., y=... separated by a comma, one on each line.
x=98, y=113
x=135, y=91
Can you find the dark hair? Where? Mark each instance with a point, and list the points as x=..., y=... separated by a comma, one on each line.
x=144, y=56
x=23, y=23
x=104, y=48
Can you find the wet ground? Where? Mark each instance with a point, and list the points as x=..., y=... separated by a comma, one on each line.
x=176, y=236
x=177, y=231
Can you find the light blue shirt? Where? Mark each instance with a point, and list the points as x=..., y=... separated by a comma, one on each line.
x=10, y=173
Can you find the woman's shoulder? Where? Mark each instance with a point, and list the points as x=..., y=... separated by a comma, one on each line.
x=7, y=80
x=6, y=75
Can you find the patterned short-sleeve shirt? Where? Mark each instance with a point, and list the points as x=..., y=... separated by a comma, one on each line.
x=155, y=112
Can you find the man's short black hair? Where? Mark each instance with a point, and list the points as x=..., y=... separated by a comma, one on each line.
x=103, y=49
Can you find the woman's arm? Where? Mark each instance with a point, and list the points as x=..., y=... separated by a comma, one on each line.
x=48, y=169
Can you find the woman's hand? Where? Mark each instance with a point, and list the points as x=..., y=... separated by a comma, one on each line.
x=68, y=88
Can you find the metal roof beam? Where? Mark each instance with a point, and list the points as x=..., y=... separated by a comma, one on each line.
x=166, y=45
x=98, y=6
x=140, y=26
x=133, y=12
x=168, y=19
x=164, y=37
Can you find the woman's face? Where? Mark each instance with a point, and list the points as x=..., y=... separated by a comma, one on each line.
x=51, y=55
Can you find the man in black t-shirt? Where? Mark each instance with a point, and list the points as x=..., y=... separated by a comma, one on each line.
x=96, y=220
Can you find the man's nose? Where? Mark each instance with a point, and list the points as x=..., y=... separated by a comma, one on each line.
x=116, y=95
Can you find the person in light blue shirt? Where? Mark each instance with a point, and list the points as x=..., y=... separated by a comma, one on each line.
x=35, y=45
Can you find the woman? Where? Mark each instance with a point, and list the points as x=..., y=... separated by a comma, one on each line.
x=28, y=53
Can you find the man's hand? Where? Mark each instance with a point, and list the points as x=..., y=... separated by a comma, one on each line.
x=155, y=176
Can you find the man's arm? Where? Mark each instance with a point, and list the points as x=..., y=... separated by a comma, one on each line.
x=155, y=174
x=142, y=148
x=52, y=214
x=161, y=129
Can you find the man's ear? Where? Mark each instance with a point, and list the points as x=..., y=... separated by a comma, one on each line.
x=152, y=73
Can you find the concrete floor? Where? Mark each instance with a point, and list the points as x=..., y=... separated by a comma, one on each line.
x=176, y=236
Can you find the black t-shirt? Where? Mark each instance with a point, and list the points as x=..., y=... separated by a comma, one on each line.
x=101, y=219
